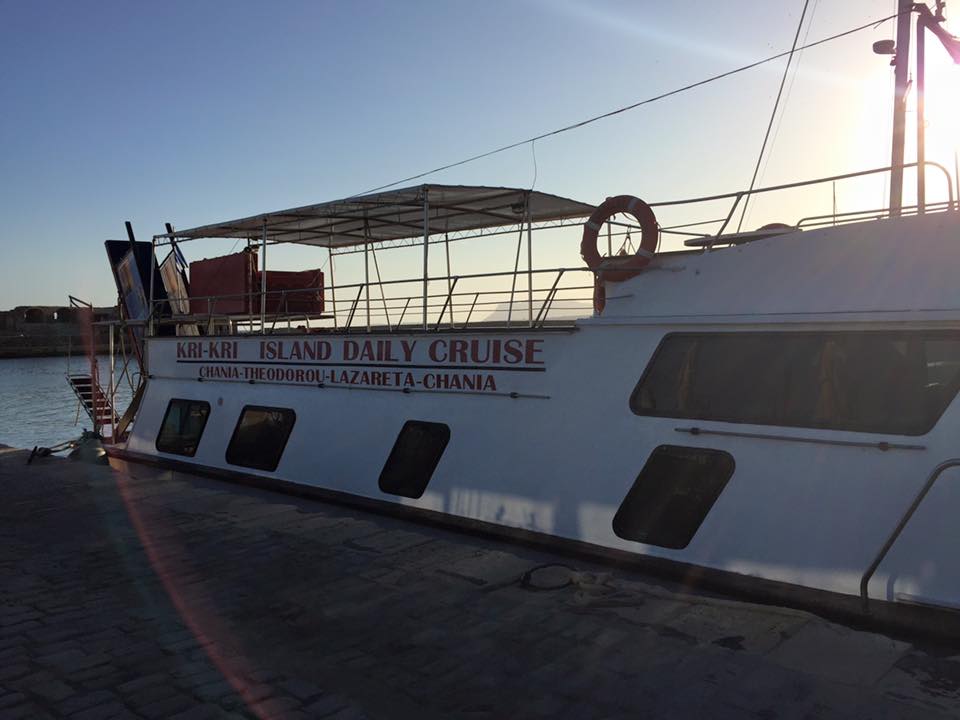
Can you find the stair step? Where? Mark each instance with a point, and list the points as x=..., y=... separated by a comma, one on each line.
x=97, y=405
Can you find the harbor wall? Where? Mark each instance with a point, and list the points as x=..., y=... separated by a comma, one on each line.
x=49, y=330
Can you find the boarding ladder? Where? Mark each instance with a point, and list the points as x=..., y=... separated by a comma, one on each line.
x=94, y=401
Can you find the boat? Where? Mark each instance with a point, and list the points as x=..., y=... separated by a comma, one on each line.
x=771, y=412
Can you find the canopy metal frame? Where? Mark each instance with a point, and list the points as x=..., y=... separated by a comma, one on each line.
x=426, y=214
x=403, y=214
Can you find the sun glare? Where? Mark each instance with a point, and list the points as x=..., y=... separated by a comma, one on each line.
x=942, y=108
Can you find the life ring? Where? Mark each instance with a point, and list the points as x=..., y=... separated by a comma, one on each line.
x=618, y=267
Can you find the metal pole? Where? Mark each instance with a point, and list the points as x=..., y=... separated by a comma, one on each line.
x=446, y=304
x=263, y=283
x=366, y=272
x=921, y=130
x=333, y=287
x=353, y=308
x=446, y=243
x=513, y=278
x=113, y=386
x=529, y=263
x=426, y=249
x=153, y=254
x=956, y=176
x=404, y=312
x=902, y=67
x=251, y=281
x=383, y=295
x=476, y=297
x=609, y=242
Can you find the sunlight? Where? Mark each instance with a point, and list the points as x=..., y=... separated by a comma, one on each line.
x=942, y=107
x=869, y=144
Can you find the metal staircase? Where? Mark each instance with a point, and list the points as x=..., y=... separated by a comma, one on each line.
x=94, y=401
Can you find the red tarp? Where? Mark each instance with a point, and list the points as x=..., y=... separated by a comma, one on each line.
x=281, y=297
x=237, y=276
x=228, y=275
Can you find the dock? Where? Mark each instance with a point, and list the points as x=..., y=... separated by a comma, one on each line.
x=134, y=592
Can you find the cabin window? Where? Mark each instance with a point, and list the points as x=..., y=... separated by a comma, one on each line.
x=182, y=427
x=672, y=495
x=876, y=382
x=414, y=457
x=260, y=437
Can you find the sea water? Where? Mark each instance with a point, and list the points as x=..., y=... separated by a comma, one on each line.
x=37, y=406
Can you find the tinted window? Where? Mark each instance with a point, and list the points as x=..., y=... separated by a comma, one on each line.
x=882, y=382
x=182, y=427
x=414, y=457
x=260, y=436
x=672, y=495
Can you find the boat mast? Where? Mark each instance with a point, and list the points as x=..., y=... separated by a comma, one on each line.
x=901, y=63
x=926, y=20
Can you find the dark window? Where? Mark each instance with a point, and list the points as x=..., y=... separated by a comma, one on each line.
x=878, y=382
x=672, y=495
x=260, y=436
x=182, y=427
x=414, y=457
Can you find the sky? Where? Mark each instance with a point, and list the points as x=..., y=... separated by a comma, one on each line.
x=197, y=112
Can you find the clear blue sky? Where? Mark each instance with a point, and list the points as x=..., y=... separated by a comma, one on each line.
x=194, y=112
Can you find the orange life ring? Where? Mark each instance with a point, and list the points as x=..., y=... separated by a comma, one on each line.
x=621, y=267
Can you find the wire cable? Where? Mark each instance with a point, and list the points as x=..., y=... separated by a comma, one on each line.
x=533, y=150
x=786, y=97
x=773, y=115
x=632, y=106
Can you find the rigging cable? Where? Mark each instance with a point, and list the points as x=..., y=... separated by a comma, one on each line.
x=533, y=150
x=786, y=97
x=773, y=115
x=633, y=106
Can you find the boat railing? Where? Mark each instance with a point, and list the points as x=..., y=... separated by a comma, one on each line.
x=719, y=236
x=814, y=221
x=895, y=534
x=494, y=299
x=466, y=300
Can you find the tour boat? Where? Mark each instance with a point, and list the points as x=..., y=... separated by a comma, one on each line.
x=771, y=411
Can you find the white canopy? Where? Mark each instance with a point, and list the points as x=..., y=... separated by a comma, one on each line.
x=396, y=215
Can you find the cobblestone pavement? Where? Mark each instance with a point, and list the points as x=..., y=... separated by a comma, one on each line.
x=149, y=594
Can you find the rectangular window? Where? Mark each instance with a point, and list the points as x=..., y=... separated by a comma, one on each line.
x=865, y=381
x=672, y=495
x=260, y=437
x=182, y=427
x=414, y=457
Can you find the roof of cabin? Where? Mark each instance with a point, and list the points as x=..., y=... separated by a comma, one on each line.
x=395, y=215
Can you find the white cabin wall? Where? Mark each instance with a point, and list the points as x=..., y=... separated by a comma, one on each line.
x=800, y=513
x=811, y=514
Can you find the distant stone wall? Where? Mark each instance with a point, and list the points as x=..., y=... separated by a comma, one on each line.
x=38, y=331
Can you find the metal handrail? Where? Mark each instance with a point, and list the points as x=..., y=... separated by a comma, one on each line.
x=865, y=215
x=446, y=304
x=548, y=302
x=402, y=302
x=952, y=201
x=437, y=278
x=865, y=579
x=738, y=194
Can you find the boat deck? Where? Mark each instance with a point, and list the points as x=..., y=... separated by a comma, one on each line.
x=138, y=592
